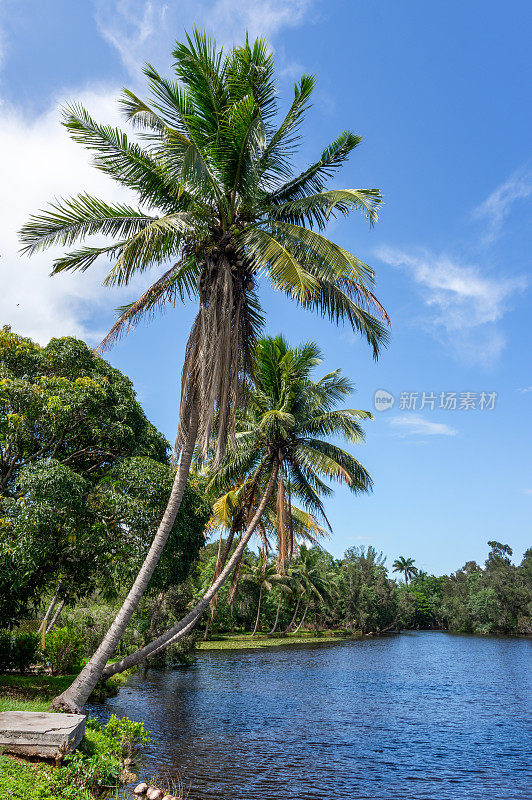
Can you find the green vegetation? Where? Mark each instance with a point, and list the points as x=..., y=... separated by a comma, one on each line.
x=92, y=771
x=219, y=197
x=355, y=595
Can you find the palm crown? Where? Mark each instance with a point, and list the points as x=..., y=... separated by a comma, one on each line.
x=406, y=566
x=290, y=419
x=220, y=202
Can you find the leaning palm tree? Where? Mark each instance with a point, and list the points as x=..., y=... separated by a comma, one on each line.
x=406, y=567
x=219, y=209
x=287, y=429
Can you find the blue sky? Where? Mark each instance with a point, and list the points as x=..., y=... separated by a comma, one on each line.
x=441, y=94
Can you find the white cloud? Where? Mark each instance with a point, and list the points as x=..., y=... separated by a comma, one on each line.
x=41, y=163
x=525, y=390
x=527, y=491
x=415, y=424
x=466, y=304
x=496, y=208
x=145, y=30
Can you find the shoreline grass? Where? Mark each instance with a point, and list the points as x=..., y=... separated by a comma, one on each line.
x=246, y=642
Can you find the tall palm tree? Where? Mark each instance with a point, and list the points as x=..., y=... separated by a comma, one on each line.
x=406, y=567
x=286, y=428
x=220, y=208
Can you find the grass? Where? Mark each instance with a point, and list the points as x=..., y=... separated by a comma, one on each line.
x=245, y=641
x=20, y=781
x=36, y=692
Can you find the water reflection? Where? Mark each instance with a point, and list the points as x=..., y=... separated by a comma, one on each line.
x=423, y=716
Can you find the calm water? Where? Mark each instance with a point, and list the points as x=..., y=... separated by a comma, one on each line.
x=423, y=716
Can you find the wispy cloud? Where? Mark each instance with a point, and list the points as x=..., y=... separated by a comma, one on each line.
x=525, y=390
x=145, y=30
x=527, y=491
x=416, y=425
x=495, y=209
x=465, y=303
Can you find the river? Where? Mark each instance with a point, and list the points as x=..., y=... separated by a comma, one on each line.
x=419, y=716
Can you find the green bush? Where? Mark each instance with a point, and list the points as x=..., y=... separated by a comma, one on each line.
x=6, y=640
x=63, y=651
x=18, y=650
x=127, y=737
x=25, y=650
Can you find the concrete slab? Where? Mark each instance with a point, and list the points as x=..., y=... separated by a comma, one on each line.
x=33, y=733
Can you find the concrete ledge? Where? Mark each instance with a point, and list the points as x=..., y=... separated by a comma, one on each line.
x=32, y=733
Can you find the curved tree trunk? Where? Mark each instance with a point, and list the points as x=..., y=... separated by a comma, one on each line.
x=55, y=617
x=303, y=617
x=79, y=691
x=286, y=630
x=221, y=560
x=49, y=611
x=258, y=613
x=188, y=622
x=277, y=615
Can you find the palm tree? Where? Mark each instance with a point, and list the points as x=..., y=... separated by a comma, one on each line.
x=308, y=577
x=219, y=207
x=263, y=574
x=230, y=512
x=406, y=566
x=286, y=431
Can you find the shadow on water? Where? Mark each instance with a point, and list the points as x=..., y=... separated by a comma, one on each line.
x=421, y=715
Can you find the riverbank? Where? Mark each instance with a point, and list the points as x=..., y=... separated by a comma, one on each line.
x=103, y=759
x=246, y=641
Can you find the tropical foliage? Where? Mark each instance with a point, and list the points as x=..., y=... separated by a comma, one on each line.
x=84, y=479
x=217, y=194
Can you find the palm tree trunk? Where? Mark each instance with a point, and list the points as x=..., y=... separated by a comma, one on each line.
x=258, y=613
x=303, y=617
x=221, y=560
x=55, y=617
x=277, y=615
x=188, y=622
x=79, y=691
x=49, y=612
x=294, y=617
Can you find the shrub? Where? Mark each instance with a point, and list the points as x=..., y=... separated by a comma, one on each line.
x=63, y=650
x=18, y=650
x=127, y=736
x=25, y=649
x=6, y=641
x=97, y=773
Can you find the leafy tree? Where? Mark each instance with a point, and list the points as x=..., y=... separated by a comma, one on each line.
x=64, y=402
x=80, y=498
x=220, y=206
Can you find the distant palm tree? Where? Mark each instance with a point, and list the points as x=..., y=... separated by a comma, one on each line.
x=310, y=581
x=286, y=432
x=219, y=207
x=406, y=566
x=263, y=574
